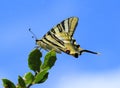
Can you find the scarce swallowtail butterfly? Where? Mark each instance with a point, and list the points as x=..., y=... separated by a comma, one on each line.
x=60, y=38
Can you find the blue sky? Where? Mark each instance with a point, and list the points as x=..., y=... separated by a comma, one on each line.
x=98, y=30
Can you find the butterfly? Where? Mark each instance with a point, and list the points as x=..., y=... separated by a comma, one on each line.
x=60, y=39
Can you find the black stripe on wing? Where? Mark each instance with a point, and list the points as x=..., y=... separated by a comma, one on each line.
x=56, y=38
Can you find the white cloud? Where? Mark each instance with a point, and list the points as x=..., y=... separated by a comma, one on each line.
x=89, y=80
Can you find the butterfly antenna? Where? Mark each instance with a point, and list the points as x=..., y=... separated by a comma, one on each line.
x=34, y=36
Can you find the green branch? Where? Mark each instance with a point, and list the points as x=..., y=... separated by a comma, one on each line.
x=39, y=68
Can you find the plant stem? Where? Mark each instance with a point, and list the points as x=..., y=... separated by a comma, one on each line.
x=29, y=85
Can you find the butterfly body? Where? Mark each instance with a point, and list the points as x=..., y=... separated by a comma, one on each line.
x=60, y=38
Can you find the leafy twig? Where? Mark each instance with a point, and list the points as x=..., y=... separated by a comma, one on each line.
x=35, y=64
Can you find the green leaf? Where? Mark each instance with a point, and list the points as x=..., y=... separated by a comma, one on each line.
x=8, y=84
x=41, y=77
x=29, y=77
x=49, y=60
x=34, y=61
x=44, y=78
x=21, y=82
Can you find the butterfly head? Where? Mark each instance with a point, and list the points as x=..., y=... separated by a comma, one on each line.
x=38, y=42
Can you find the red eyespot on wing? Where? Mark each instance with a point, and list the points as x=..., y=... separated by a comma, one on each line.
x=67, y=51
